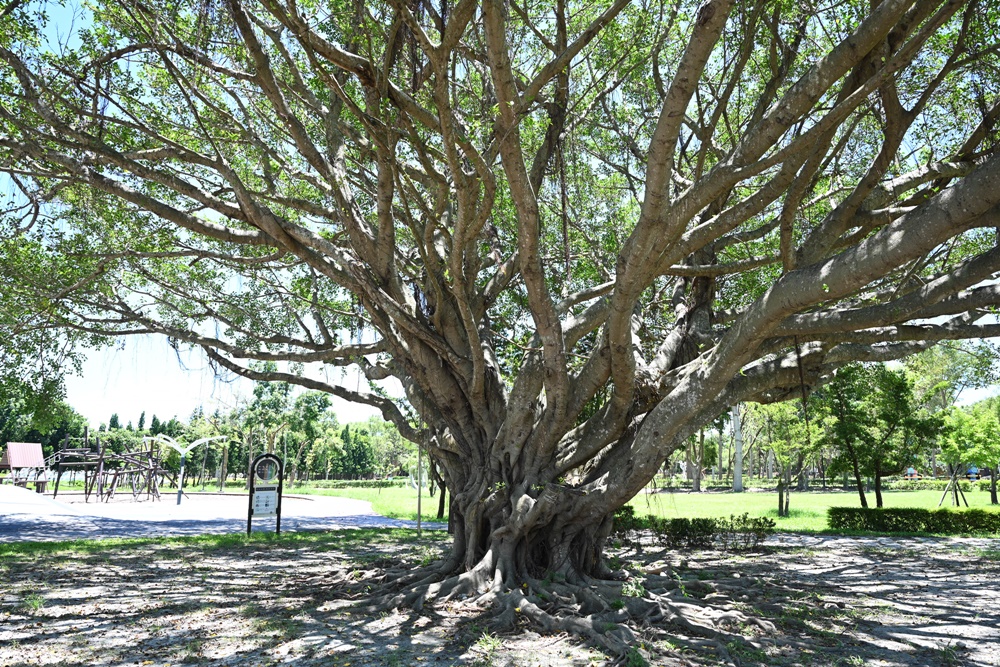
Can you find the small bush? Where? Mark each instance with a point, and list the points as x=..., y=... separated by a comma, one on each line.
x=914, y=520
x=683, y=533
x=743, y=532
x=736, y=533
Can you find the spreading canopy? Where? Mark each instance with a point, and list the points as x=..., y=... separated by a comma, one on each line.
x=574, y=232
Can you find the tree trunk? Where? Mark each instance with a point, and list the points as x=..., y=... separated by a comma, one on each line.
x=878, y=487
x=802, y=473
x=993, y=485
x=954, y=479
x=699, y=457
x=784, y=489
x=788, y=489
x=856, y=468
x=689, y=460
x=859, y=482
x=721, y=459
x=502, y=542
x=822, y=471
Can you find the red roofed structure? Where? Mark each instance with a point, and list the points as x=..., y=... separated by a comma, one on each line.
x=26, y=464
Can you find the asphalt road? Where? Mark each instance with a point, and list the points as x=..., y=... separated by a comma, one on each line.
x=28, y=516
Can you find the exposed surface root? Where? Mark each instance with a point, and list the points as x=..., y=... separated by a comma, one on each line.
x=621, y=618
x=663, y=612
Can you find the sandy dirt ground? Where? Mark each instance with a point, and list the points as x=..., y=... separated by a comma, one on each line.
x=825, y=601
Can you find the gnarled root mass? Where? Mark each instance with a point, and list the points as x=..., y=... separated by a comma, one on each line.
x=660, y=611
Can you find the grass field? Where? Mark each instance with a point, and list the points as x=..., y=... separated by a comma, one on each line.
x=807, y=510
x=393, y=502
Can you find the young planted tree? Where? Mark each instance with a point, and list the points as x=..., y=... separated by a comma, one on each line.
x=874, y=424
x=988, y=448
x=789, y=438
x=944, y=371
x=972, y=435
x=575, y=233
x=963, y=432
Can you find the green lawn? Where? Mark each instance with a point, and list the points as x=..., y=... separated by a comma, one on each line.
x=393, y=502
x=807, y=510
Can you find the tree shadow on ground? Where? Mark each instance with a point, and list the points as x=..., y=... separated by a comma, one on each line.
x=824, y=602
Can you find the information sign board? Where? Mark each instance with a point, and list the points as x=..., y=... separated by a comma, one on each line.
x=265, y=501
x=266, y=477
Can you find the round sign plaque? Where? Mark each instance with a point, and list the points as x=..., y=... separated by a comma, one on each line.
x=266, y=470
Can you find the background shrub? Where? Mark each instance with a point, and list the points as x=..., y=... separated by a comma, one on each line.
x=914, y=520
x=743, y=532
x=736, y=533
x=357, y=483
x=935, y=485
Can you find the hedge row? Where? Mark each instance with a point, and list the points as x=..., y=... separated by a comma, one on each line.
x=913, y=520
x=356, y=483
x=935, y=485
x=737, y=533
x=815, y=484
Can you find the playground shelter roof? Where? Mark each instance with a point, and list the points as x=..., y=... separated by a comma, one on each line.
x=22, y=455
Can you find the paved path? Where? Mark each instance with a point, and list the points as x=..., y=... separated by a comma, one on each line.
x=28, y=516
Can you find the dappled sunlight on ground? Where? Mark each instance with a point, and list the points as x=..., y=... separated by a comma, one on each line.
x=832, y=601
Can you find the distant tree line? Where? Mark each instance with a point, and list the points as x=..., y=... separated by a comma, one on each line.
x=299, y=427
x=867, y=423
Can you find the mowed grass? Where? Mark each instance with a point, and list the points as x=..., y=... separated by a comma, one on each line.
x=807, y=510
x=393, y=502
x=187, y=545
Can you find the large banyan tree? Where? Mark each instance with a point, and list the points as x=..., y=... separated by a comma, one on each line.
x=575, y=232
